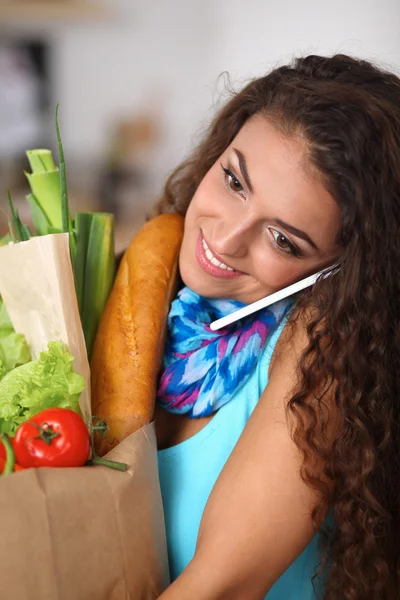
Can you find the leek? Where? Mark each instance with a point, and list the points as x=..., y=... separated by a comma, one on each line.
x=91, y=235
x=45, y=199
x=95, y=266
x=82, y=224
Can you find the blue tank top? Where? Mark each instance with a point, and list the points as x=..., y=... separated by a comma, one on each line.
x=189, y=470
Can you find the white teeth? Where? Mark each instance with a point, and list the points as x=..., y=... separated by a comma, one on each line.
x=209, y=254
x=212, y=258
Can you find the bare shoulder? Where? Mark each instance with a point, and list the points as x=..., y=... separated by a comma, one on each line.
x=292, y=342
x=285, y=379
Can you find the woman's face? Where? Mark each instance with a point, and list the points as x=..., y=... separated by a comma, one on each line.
x=259, y=220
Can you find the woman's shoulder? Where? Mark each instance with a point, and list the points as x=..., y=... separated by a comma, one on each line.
x=288, y=369
x=293, y=340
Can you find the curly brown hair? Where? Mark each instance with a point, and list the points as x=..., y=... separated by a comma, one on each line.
x=348, y=112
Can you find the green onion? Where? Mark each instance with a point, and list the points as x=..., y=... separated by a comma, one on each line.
x=26, y=232
x=9, y=237
x=19, y=230
x=67, y=225
x=65, y=216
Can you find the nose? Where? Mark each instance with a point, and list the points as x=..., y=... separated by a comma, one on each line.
x=233, y=237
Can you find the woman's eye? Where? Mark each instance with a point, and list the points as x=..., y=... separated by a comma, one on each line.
x=232, y=181
x=283, y=244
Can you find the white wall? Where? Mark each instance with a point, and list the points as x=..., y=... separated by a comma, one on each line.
x=174, y=51
x=179, y=48
x=256, y=35
x=154, y=54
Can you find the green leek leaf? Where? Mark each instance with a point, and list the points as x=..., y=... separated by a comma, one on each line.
x=99, y=274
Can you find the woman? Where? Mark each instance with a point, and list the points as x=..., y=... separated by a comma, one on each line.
x=283, y=431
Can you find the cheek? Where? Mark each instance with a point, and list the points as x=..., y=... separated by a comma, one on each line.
x=208, y=196
x=199, y=208
x=275, y=272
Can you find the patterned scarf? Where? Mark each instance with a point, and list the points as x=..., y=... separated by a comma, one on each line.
x=202, y=368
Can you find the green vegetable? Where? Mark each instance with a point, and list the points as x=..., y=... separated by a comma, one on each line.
x=83, y=223
x=47, y=382
x=91, y=235
x=7, y=238
x=45, y=199
x=94, y=269
x=49, y=198
x=10, y=456
x=65, y=216
x=14, y=350
x=18, y=231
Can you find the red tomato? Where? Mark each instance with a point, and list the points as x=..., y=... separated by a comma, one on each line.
x=18, y=467
x=55, y=437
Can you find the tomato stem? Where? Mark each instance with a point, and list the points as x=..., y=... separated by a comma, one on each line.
x=98, y=460
x=112, y=464
x=46, y=432
x=10, y=456
x=101, y=425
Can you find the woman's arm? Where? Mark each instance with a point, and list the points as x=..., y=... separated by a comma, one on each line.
x=258, y=517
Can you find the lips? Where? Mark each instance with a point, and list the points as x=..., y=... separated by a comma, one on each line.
x=211, y=263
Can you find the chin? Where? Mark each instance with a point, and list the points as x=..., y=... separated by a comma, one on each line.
x=196, y=285
x=197, y=282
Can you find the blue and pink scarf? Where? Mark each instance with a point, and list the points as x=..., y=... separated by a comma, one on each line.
x=202, y=369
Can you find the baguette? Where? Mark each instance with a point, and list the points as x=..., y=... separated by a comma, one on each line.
x=130, y=340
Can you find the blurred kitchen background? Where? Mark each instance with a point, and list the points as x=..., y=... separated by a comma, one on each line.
x=138, y=81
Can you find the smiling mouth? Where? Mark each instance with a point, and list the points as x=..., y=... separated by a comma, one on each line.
x=213, y=260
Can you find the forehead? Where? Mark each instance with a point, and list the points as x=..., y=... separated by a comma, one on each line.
x=282, y=176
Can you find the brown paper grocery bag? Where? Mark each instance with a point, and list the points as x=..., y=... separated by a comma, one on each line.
x=38, y=289
x=89, y=533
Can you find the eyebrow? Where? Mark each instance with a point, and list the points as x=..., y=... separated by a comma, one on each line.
x=243, y=169
x=297, y=232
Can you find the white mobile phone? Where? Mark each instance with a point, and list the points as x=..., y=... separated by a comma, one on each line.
x=268, y=300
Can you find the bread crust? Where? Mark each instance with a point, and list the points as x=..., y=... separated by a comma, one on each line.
x=130, y=340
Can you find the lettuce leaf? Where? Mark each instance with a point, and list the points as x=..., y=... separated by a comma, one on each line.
x=14, y=349
x=47, y=382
